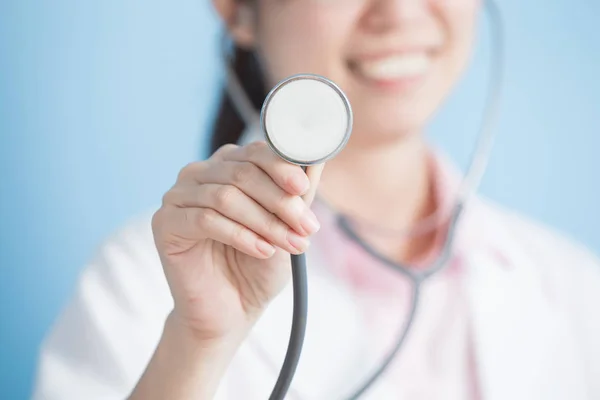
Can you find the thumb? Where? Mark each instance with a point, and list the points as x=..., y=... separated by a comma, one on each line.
x=314, y=177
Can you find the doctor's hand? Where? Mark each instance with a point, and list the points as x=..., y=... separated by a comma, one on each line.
x=225, y=232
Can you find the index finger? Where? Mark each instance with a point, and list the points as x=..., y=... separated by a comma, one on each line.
x=289, y=177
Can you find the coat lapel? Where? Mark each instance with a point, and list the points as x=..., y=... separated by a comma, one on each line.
x=523, y=347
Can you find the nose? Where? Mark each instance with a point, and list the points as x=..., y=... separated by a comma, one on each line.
x=383, y=15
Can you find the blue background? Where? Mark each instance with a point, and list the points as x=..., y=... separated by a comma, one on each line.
x=102, y=102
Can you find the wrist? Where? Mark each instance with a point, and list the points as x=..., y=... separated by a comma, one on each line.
x=184, y=365
x=201, y=342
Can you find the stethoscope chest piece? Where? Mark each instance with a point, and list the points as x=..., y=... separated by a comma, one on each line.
x=306, y=119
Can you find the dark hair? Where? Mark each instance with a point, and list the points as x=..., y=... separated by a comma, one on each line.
x=229, y=125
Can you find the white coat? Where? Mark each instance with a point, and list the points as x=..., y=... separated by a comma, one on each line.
x=535, y=322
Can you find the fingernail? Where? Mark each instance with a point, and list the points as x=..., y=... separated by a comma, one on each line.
x=309, y=222
x=298, y=242
x=265, y=248
x=300, y=183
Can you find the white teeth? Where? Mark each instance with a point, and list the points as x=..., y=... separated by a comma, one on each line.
x=404, y=66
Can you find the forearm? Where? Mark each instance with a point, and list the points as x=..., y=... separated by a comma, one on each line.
x=184, y=367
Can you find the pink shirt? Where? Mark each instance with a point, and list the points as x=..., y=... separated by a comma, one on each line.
x=436, y=360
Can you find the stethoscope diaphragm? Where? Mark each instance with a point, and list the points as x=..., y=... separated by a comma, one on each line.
x=306, y=119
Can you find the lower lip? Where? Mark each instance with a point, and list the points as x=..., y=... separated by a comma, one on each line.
x=404, y=84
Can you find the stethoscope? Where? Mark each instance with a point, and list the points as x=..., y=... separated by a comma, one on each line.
x=307, y=120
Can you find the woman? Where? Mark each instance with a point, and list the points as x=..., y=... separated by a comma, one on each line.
x=194, y=303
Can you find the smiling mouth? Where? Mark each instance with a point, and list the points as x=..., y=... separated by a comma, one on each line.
x=394, y=70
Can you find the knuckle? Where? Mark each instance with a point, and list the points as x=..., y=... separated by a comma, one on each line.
x=225, y=197
x=273, y=227
x=255, y=148
x=206, y=218
x=185, y=171
x=224, y=149
x=237, y=235
x=168, y=197
x=161, y=222
x=190, y=170
x=283, y=204
x=243, y=173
